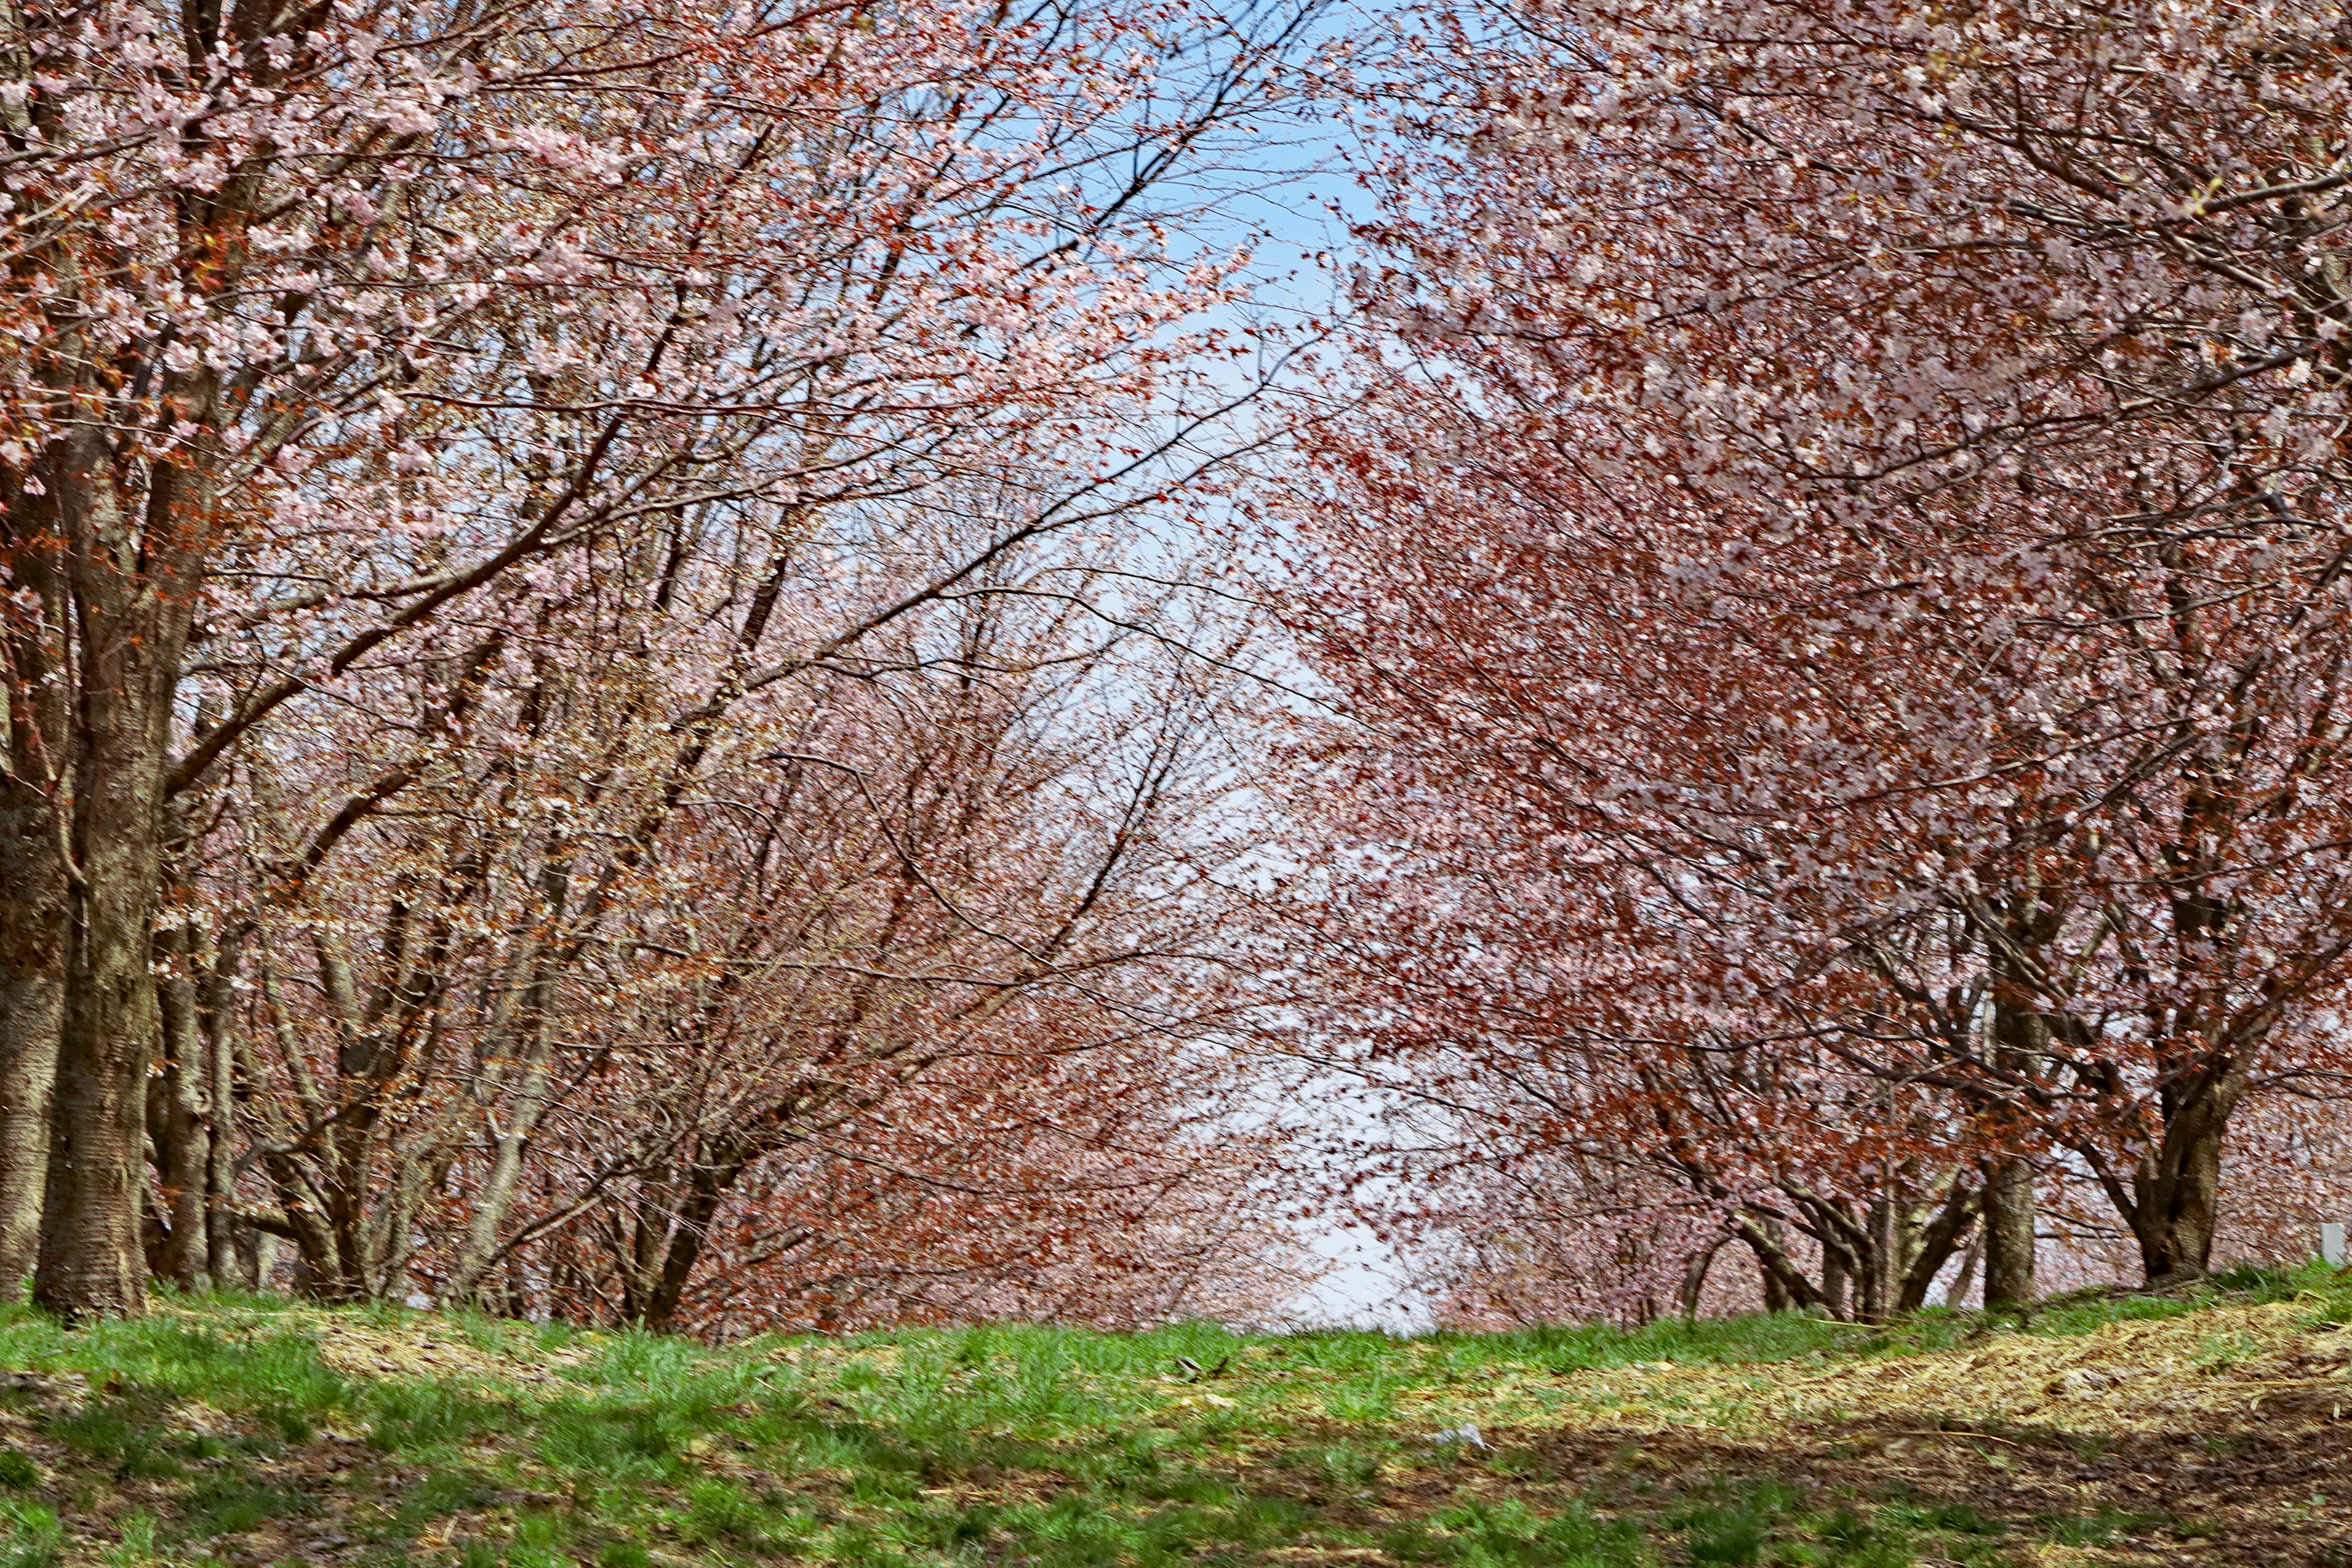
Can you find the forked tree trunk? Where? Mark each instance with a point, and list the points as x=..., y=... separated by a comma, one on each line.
x=2176, y=1198
x=509, y=1145
x=1695, y=1276
x=1786, y=1288
x=1928, y=1240
x=2176, y=1192
x=707, y=1192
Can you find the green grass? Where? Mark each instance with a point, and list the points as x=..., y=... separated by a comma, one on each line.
x=30, y=1536
x=218, y=1430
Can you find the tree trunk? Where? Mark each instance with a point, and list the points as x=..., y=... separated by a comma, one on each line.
x=2020, y=1044
x=90, y=1261
x=2176, y=1194
x=1786, y=1288
x=182, y=1129
x=220, y=1180
x=33, y=792
x=1928, y=1247
x=32, y=1004
x=2009, y=1234
x=257, y=1257
x=134, y=585
x=1835, y=1285
x=511, y=1144
x=707, y=1190
x=1695, y=1276
x=1957, y=1296
x=1879, y=1262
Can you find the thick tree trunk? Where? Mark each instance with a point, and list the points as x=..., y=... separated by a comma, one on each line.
x=92, y=1264
x=132, y=607
x=1786, y=1288
x=1880, y=1262
x=2009, y=1234
x=2020, y=1044
x=2177, y=1195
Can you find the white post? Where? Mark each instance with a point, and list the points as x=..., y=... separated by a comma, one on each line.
x=2331, y=1245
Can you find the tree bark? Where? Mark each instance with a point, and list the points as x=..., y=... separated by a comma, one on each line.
x=2009, y=1234
x=1786, y=1288
x=32, y=1011
x=1835, y=1285
x=183, y=1133
x=90, y=1261
x=1695, y=1276
x=2176, y=1194
x=707, y=1190
x=1880, y=1262
x=509, y=1145
x=33, y=804
x=1962, y=1282
x=220, y=1175
x=1927, y=1247
x=2020, y=1044
x=134, y=586
x=257, y=1257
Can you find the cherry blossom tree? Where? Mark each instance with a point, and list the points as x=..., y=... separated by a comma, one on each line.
x=1840, y=569
x=926, y=913
x=347, y=344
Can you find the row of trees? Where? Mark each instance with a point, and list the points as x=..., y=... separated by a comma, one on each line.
x=604, y=717
x=575, y=733
x=1842, y=691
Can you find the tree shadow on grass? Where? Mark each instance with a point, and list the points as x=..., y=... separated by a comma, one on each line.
x=2263, y=1486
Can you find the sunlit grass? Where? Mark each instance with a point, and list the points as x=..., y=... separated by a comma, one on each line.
x=192, y=1435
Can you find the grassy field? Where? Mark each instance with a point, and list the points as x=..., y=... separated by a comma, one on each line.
x=2213, y=1428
